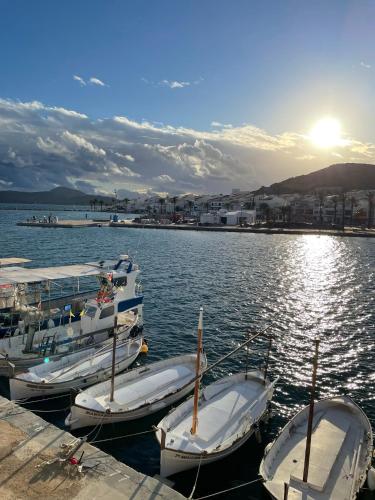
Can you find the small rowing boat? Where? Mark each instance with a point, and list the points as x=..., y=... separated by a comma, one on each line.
x=74, y=371
x=135, y=394
x=340, y=454
x=229, y=411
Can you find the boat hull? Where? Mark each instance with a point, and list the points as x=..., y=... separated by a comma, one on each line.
x=340, y=454
x=85, y=417
x=173, y=462
x=10, y=366
x=22, y=389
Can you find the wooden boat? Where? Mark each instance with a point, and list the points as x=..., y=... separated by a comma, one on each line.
x=229, y=411
x=135, y=394
x=340, y=453
x=74, y=371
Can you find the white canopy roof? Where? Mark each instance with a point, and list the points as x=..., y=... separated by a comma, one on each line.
x=9, y=261
x=13, y=275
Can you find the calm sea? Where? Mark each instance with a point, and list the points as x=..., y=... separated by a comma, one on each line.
x=303, y=286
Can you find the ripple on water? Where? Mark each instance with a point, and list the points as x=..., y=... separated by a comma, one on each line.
x=303, y=286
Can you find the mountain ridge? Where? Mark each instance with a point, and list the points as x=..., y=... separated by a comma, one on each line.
x=57, y=196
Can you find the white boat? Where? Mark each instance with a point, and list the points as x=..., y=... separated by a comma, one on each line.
x=229, y=411
x=37, y=339
x=340, y=454
x=74, y=371
x=137, y=393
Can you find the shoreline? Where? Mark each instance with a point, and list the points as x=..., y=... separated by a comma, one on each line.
x=235, y=229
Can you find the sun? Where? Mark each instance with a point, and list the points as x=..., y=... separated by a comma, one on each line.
x=326, y=133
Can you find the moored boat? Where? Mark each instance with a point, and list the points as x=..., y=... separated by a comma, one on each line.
x=74, y=371
x=37, y=339
x=136, y=394
x=229, y=412
x=340, y=454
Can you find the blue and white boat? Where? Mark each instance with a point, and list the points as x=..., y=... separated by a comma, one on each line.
x=37, y=335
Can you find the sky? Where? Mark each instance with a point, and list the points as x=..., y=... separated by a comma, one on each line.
x=173, y=97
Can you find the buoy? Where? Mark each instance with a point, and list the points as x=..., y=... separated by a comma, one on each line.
x=144, y=348
x=371, y=479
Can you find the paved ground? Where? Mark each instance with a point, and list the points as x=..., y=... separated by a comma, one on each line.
x=33, y=465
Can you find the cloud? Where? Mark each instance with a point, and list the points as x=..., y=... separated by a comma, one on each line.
x=172, y=84
x=95, y=81
x=79, y=79
x=364, y=65
x=44, y=146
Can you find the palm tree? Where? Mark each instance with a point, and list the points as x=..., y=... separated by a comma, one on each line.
x=91, y=204
x=101, y=205
x=174, y=200
x=370, y=198
x=162, y=203
x=321, y=204
x=264, y=207
x=343, y=200
x=353, y=203
x=94, y=202
x=126, y=201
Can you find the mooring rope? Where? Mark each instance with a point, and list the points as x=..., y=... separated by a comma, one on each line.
x=260, y=479
x=196, y=478
x=122, y=437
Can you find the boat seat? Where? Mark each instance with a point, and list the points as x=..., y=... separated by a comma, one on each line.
x=326, y=443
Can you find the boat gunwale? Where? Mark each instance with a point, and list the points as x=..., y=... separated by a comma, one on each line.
x=114, y=413
x=367, y=458
x=49, y=385
x=267, y=384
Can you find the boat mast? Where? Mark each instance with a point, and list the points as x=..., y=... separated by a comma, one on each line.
x=113, y=360
x=311, y=414
x=197, y=373
x=268, y=357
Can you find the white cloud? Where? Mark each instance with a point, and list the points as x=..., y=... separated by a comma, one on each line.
x=43, y=146
x=95, y=81
x=174, y=84
x=164, y=178
x=364, y=65
x=125, y=157
x=79, y=79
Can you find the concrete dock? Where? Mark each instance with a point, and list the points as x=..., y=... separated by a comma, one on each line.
x=66, y=223
x=34, y=465
x=349, y=232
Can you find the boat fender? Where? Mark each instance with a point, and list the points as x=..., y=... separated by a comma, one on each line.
x=371, y=479
x=258, y=435
x=144, y=348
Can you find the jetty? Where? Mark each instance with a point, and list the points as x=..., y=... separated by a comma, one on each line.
x=39, y=460
x=348, y=232
x=66, y=223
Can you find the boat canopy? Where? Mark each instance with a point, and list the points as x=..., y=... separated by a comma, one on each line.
x=11, y=261
x=14, y=275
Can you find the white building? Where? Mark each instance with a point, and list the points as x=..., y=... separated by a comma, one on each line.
x=236, y=218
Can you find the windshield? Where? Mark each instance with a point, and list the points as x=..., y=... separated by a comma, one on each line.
x=90, y=311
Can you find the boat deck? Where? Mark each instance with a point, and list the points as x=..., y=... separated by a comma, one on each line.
x=219, y=419
x=147, y=389
x=336, y=435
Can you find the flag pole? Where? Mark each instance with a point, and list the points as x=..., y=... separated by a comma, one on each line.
x=197, y=374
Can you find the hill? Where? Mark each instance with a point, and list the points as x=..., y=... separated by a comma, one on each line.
x=56, y=196
x=342, y=176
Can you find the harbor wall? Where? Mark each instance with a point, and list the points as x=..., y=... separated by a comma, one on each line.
x=34, y=464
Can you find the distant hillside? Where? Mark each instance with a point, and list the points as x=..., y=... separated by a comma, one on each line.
x=57, y=196
x=346, y=176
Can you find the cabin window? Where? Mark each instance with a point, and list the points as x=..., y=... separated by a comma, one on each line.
x=122, y=281
x=108, y=311
x=90, y=311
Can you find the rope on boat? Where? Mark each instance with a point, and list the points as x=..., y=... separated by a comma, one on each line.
x=125, y=436
x=26, y=401
x=49, y=411
x=260, y=479
x=190, y=497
